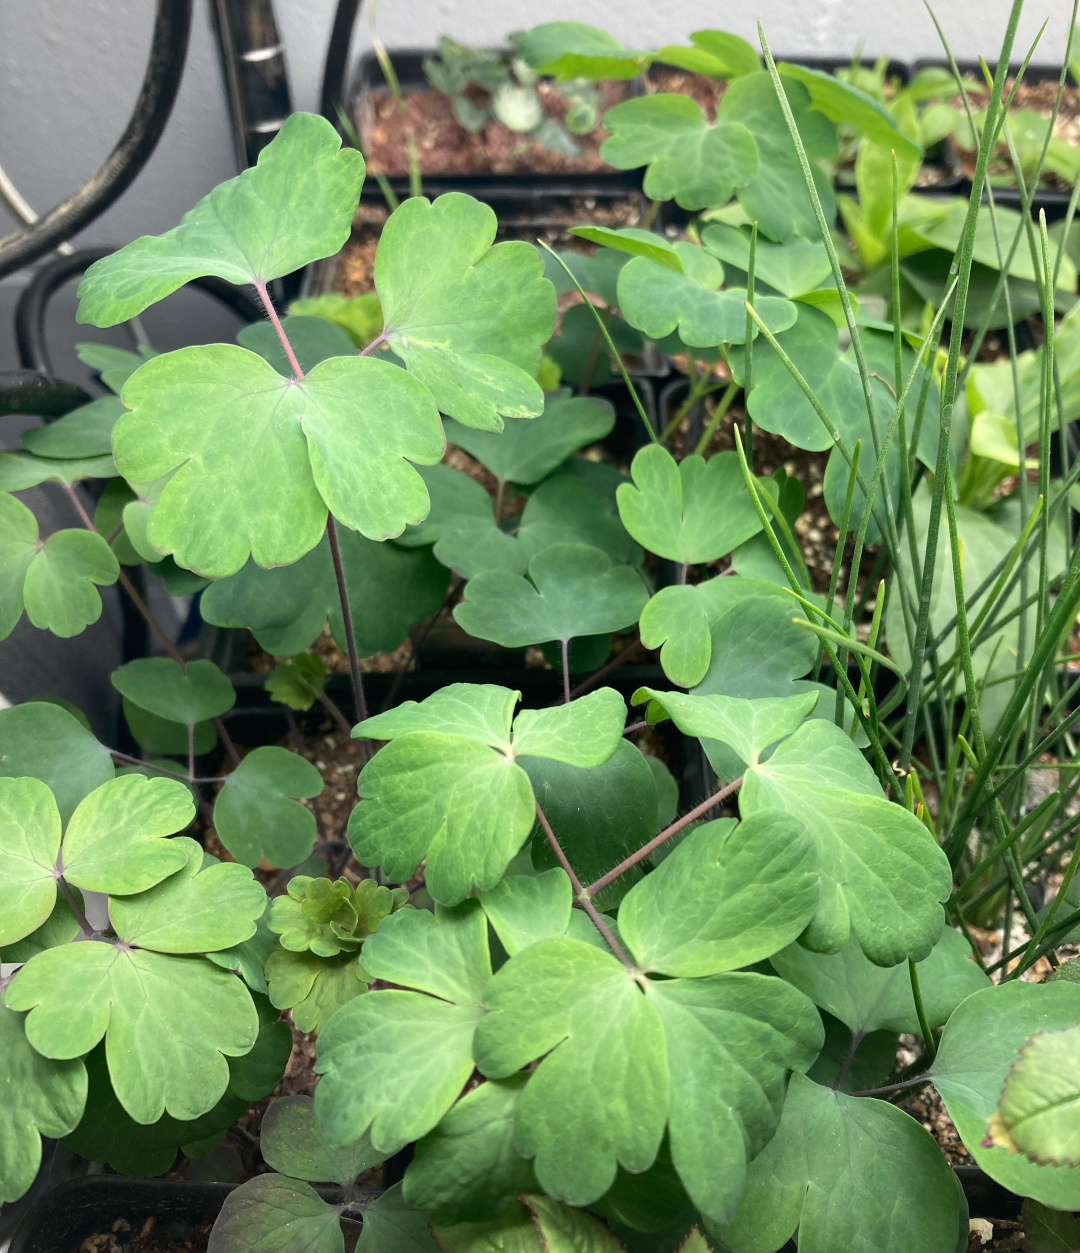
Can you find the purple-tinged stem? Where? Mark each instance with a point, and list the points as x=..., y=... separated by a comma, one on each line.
x=75, y=907
x=666, y=834
x=580, y=895
x=275, y=322
x=857, y=1038
x=896, y=1087
x=606, y=669
x=636, y=726
x=565, y=671
x=350, y=634
x=377, y=342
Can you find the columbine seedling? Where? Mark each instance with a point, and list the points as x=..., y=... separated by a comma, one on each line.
x=590, y=1017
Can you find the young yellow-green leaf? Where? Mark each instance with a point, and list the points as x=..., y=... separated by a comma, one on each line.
x=249, y=957
x=313, y=987
x=633, y=241
x=692, y=511
x=29, y=843
x=317, y=914
x=792, y=268
x=827, y=1172
x=869, y=998
x=696, y=164
x=562, y=1227
x=54, y=579
x=37, y=1097
x=467, y=319
x=168, y=1022
x=746, y=726
x=479, y=711
x=730, y=1042
x=821, y=779
x=185, y=694
x=524, y=909
x=297, y=682
x=729, y=895
x=255, y=813
x=360, y=316
x=293, y=1144
x=445, y=956
x=287, y=607
x=296, y=205
x=599, y=1098
x=577, y=50
x=259, y=459
x=976, y=1054
x=85, y=432
x=1039, y=1111
x=526, y=452
x=716, y=53
x=194, y=910
x=40, y=740
x=658, y=301
x=514, y=1231
x=572, y=590
x=272, y=1214
x=467, y=1168
x=116, y=839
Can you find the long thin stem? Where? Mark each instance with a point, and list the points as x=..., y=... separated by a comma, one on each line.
x=917, y=1082
x=346, y=618
x=605, y=669
x=275, y=322
x=920, y=1010
x=857, y=1038
x=643, y=852
x=75, y=907
x=173, y=774
x=581, y=896
x=564, y=645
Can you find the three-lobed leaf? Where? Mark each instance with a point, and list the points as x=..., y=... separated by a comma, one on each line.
x=292, y=1143
x=257, y=813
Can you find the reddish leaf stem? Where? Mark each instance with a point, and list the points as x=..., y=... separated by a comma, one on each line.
x=567, y=694
x=275, y=322
x=666, y=834
x=580, y=895
x=606, y=669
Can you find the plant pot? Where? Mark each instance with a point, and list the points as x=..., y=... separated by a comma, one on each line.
x=524, y=177
x=61, y=1219
x=1053, y=200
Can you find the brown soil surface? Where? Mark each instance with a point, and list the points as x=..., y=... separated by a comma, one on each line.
x=446, y=147
x=704, y=91
x=1039, y=97
x=149, y=1237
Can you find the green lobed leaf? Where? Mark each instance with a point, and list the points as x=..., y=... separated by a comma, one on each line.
x=748, y=727
x=20, y=470
x=976, y=1054
x=39, y=1097
x=286, y=608
x=114, y=365
x=1037, y=1113
x=395, y=1061
x=249, y=957
x=583, y=733
x=821, y=779
x=467, y=1169
x=272, y=1214
x=256, y=814
x=693, y=511
x=29, y=844
x=845, y=102
x=54, y=580
x=524, y=909
x=526, y=452
x=1047, y=1230
x=85, y=432
x=61, y=927
x=162, y=737
x=792, y=268
x=256, y=459
x=194, y=910
x=297, y=682
x=467, y=319
x=293, y=1144
x=870, y=998
x=186, y=694
x=480, y=711
x=116, y=840
x=312, y=340
x=168, y=1022
x=696, y=164
x=313, y=987
x=391, y=1226
x=599, y=1098
x=294, y=206
x=660, y=302
x=716, y=53
x=848, y=1173
x=633, y=241
x=42, y=741
x=729, y=895
x=572, y=590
